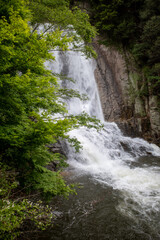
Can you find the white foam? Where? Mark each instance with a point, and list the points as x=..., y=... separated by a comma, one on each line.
x=107, y=155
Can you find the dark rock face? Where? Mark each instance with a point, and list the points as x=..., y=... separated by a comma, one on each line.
x=55, y=148
x=52, y=166
x=112, y=80
x=115, y=79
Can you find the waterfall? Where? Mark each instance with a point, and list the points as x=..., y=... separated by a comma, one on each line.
x=81, y=70
x=108, y=156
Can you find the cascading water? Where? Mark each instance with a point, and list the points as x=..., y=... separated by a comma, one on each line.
x=126, y=168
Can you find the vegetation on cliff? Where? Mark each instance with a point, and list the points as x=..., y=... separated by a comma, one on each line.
x=134, y=26
x=30, y=95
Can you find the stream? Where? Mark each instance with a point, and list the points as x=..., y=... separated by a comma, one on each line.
x=118, y=197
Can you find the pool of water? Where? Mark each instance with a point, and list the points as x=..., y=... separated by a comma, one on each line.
x=100, y=212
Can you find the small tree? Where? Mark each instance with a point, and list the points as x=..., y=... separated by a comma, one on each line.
x=26, y=87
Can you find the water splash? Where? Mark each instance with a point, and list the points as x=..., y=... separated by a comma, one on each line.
x=109, y=157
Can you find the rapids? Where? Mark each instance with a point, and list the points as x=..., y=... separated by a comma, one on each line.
x=120, y=198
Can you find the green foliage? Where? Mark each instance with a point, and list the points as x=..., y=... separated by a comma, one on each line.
x=15, y=211
x=72, y=21
x=7, y=6
x=30, y=95
x=149, y=44
x=146, y=50
x=51, y=183
x=133, y=25
x=117, y=20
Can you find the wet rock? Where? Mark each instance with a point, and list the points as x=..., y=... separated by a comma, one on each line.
x=55, y=148
x=52, y=166
x=125, y=146
x=129, y=127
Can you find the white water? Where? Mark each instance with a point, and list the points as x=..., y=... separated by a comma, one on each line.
x=108, y=156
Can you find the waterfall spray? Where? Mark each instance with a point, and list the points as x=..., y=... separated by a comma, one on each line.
x=108, y=156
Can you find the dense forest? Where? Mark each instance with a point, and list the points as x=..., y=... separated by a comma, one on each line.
x=31, y=95
x=133, y=26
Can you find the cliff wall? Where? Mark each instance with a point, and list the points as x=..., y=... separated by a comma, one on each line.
x=118, y=83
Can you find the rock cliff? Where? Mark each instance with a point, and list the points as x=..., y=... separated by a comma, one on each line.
x=118, y=84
